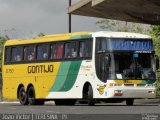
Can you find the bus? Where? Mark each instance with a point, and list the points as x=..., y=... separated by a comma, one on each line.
x=85, y=66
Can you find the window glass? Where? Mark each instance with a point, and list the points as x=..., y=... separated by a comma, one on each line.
x=70, y=50
x=102, y=44
x=16, y=54
x=57, y=51
x=7, y=54
x=85, y=49
x=29, y=53
x=60, y=51
x=42, y=52
x=53, y=51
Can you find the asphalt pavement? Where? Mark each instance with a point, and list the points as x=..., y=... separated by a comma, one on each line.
x=140, y=107
x=143, y=109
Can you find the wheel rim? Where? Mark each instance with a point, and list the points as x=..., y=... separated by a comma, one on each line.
x=22, y=96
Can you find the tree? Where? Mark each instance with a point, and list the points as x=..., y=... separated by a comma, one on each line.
x=41, y=34
x=115, y=25
x=155, y=34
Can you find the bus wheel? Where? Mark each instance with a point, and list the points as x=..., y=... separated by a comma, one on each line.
x=90, y=100
x=129, y=102
x=31, y=96
x=22, y=95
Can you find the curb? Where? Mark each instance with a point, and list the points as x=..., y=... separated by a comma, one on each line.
x=17, y=102
x=10, y=102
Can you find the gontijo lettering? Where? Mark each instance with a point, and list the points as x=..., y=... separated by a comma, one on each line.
x=40, y=69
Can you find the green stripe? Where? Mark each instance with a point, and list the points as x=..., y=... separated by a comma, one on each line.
x=72, y=75
x=61, y=76
x=148, y=81
x=66, y=76
x=81, y=37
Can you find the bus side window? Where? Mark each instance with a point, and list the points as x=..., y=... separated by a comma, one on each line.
x=16, y=55
x=60, y=51
x=56, y=51
x=88, y=49
x=13, y=56
x=53, y=51
x=25, y=53
x=70, y=50
x=29, y=53
x=42, y=52
x=7, y=55
x=85, y=49
x=82, y=46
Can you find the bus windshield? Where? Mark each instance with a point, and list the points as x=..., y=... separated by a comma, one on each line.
x=118, y=58
x=132, y=66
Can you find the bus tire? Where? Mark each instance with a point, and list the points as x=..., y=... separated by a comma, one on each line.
x=90, y=100
x=31, y=96
x=129, y=101
x=22, y=95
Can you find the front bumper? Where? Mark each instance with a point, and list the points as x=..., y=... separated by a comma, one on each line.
x=147, y=92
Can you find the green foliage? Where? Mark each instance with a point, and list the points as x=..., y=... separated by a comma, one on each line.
x=158, y=84
x=114, y=25
x=158, y=87
x=106, y=24
x=155, y=34
x=38, y=35
x=41, y=34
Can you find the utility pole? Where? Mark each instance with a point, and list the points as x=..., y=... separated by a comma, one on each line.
x=69, y=24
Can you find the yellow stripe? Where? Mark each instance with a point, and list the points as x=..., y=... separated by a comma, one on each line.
x=128, y=81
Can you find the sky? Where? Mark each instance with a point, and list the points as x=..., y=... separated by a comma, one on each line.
x=26, y=18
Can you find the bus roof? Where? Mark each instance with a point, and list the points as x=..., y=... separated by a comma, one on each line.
x=76, y=35
x=49, y=38
x=110, y=34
